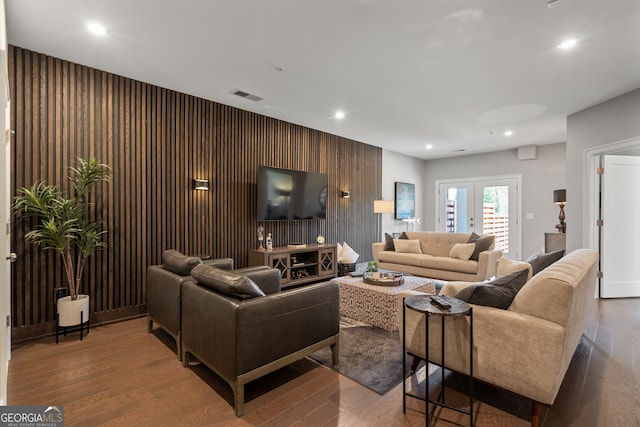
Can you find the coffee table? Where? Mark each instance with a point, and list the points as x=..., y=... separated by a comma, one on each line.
x=377, y=305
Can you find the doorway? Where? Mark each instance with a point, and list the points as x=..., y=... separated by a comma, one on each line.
x=613, y=198
x=485, y=205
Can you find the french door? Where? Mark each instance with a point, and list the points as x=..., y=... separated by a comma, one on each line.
x=482, y=205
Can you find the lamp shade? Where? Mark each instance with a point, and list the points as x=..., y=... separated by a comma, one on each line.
x=383, y=206
x=560, y=196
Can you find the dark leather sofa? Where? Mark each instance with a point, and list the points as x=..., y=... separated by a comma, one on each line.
x=244, y=329
x=164, y=290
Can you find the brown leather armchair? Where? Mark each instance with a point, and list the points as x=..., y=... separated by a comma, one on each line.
x=243, y=333
x=164, y=290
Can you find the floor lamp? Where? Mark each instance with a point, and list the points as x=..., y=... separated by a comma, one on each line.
x=381, y=207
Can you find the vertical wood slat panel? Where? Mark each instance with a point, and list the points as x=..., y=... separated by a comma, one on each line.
x=156, y=141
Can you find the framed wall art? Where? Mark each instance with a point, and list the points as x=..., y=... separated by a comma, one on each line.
x=405, y=200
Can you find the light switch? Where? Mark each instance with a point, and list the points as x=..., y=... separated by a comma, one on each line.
x=530, y=215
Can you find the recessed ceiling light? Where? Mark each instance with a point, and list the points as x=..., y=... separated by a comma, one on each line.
x=508, y=133
x=96, y=29
x=567, y=44
x=339, y=115
x=429, y=146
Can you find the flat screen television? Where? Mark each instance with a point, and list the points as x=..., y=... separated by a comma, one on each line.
x=289, y=195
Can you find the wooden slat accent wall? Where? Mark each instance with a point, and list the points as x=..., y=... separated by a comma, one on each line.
x=156, y=141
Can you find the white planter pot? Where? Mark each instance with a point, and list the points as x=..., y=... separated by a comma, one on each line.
x=69, y=310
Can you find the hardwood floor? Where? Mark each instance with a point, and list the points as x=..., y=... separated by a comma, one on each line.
x=122, y=376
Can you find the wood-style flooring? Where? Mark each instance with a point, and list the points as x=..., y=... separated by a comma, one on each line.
x=122, y=376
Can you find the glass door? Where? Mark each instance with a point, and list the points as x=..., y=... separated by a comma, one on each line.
x=484, y=206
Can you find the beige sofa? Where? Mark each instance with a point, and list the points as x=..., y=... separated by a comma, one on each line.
x=434, y=261
x=527, y=348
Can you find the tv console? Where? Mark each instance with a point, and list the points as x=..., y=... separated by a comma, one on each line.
x=312, y=263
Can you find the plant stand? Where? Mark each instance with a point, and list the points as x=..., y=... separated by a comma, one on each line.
x=72, y=328
x=70, y=315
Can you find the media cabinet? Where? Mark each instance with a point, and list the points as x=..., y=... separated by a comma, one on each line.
x=298, y=265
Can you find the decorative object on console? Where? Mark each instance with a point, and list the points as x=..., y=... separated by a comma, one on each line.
x=269, y=242
x=346, y=255
x=560, y=199
x=320, y=239
x=201, y=184
x=296, y=245
x=260, y=238
x=405, y=200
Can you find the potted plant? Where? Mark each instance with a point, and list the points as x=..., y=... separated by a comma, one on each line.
x=372, y=269
x=64, y=226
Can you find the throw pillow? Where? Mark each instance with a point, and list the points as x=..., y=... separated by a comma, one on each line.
x=178, y=263
x=388, y=242
x=541, y=261
x=483, y=243
x=338, y=250
x=506, y=266
x=226, y=282
x=407, y=246
x=498, y=293
x=403, y=236
x=347, y=255
x=462, y=251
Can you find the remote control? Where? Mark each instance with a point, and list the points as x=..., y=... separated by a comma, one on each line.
x=441, y=302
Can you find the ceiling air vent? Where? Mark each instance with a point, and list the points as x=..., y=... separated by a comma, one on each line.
x=246, y=95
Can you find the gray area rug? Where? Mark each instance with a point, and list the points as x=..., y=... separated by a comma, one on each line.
x=368, y=355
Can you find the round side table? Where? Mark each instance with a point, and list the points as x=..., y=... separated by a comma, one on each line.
x=423, y=304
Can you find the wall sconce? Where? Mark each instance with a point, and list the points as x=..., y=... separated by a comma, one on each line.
x=201, y=184
x=345, y=195
x=383, y=206
x=560, y=199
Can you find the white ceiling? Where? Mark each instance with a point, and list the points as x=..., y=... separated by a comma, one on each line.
x=452, y=73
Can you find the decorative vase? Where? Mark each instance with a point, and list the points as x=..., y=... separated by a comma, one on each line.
x=69, y=310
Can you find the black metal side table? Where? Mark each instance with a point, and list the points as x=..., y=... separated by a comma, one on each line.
x=423, y=304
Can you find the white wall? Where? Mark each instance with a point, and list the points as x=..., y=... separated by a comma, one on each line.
x=401, y=168
x=539, y=178
x=611, y=121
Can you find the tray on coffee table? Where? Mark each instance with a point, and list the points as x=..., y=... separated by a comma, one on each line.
x=390, y=278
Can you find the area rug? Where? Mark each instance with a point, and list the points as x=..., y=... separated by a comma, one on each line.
x=368, y=355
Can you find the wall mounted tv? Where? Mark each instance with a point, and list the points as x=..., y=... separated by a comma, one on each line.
x=290, y=195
